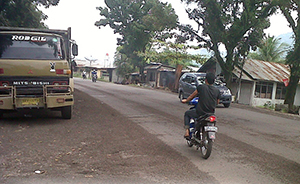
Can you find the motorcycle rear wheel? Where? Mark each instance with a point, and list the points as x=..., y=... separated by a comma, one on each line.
x=206, y=146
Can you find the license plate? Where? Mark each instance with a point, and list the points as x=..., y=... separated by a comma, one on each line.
x=211, y=128
x=30, y=101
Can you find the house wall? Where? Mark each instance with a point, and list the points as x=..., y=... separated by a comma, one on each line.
x=166, y=79
x=151, y=75
x=116, y=78
x=267, y=101
x=264, y=101
x=247, y=95
x=246, y=92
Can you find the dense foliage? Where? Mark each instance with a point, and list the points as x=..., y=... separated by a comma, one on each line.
x=237, y=25
x=23, y=13
x=270, y=49
x=290, y=9
x=137, y=22
x=172, y=54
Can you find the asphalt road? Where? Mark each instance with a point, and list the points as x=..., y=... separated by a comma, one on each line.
x=127, y=134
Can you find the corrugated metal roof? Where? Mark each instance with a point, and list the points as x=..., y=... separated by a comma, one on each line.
x=236, y=71
x=263, y=70
x=150, y=67
x=160, y=67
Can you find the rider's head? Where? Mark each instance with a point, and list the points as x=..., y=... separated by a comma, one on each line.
x=210, y=78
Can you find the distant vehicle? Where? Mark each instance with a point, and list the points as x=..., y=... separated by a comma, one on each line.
x=189, y=81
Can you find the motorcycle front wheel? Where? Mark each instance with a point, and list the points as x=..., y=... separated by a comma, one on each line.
x=206, y=145
x=189, y=143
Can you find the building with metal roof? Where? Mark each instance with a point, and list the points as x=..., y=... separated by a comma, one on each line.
x=262, y=83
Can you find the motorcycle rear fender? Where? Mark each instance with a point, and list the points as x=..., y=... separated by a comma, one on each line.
x=212, y=135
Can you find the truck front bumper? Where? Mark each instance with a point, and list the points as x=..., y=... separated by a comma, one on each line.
x=51, y=96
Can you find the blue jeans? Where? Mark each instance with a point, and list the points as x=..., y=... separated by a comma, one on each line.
x=188, y=115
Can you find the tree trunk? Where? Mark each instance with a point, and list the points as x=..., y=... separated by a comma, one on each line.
x=291, y=89
x=177, y=77
x=226, y=66
x=142, y=74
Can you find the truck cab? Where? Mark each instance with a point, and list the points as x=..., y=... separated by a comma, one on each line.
x=35, y=70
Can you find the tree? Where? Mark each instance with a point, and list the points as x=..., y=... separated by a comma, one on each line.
x=124, y=67
x=288, y=7
x=172, y=54
x=23, y=13
x=236, y=24
x=270, y=49
x=137, y=22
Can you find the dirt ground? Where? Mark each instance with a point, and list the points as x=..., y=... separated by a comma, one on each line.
x=98, y=145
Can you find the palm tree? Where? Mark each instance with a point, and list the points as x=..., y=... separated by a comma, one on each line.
x=271, y=49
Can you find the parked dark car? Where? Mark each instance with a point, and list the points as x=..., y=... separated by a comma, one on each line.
x=189, y=81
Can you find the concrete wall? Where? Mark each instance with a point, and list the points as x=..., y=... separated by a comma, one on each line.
x=263, y=101
x=247, y=95
x=116, y=78
x=246, y=92
x=266, y=101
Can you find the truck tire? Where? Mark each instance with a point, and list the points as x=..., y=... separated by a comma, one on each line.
x=66, y=112
x=1, y=114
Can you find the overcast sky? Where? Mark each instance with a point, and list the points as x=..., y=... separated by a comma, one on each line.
x=96, y=43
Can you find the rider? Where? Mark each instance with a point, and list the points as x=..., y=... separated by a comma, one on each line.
x=94, y=72
x=84, y=74
x=209, y=97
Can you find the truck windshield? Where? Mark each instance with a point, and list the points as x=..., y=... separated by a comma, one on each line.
x=22, y=46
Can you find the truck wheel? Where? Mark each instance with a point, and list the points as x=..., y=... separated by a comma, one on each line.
x=1, y=114
x=66, y=112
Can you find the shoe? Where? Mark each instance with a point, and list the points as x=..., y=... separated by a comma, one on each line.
x=187, y=137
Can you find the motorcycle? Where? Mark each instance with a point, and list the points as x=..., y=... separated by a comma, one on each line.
x=202, y=132
x=94, y=77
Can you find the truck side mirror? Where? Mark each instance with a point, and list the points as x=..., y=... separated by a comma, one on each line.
x=75, y=49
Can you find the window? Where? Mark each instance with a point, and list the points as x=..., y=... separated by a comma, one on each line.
x=187, y=79
x=280, y=91
x=263, y=90
x=193, y=80
x=22, y=46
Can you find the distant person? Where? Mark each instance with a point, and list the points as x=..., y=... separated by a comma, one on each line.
x=94, y=72
x=94, y=75
x=84, y=74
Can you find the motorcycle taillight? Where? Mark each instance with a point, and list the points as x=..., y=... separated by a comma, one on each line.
x=212, y=118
